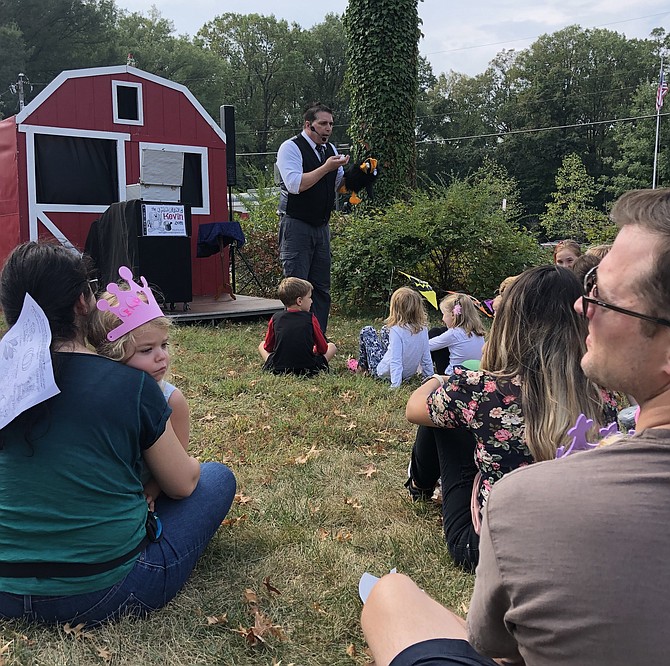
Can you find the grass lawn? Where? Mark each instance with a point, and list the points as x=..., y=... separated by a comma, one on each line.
x=320, y=465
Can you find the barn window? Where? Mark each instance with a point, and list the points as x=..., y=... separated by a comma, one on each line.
x=75, y=170
x=127, y=103
x=183, y=167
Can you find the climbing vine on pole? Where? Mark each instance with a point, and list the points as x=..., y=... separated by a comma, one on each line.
x=382, y=56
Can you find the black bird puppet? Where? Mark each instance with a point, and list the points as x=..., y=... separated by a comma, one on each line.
x=358, y=177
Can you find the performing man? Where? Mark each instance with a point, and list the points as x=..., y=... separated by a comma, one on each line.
x=311, y=170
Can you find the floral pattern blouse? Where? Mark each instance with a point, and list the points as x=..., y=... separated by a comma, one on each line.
x=490, y=408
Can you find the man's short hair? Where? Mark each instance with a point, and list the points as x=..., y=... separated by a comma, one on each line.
x=313, y=109
x=650, y=209
x=291, y=289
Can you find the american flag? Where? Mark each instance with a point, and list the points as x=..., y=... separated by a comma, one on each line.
x=662, y=90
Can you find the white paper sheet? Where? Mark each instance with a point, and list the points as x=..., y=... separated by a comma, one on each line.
x=366, y=583
x=26, y=372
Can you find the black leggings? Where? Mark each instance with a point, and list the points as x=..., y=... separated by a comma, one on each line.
x=448, y=454
x=440, y=356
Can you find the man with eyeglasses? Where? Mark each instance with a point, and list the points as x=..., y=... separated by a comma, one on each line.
x=573, y=552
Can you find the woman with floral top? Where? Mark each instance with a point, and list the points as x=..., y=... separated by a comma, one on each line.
x=474, y=427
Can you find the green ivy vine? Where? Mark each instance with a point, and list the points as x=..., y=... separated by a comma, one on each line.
x=383, y=57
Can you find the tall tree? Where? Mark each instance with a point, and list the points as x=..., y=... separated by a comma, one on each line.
x=573, y=80
x=152, y=41
x=324, y=49
x=572, y=212
x=13, y=59
x=383, y=57
x=267, y=70
x=59, y=35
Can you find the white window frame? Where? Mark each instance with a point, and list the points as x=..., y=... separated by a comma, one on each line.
x=204, y=167
x=39, y=212
x=115, y=103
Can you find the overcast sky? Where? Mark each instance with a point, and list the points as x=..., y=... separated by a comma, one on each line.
x=459, y=35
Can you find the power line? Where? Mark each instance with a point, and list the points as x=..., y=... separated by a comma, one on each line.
x=503, y=134
x=538, y=129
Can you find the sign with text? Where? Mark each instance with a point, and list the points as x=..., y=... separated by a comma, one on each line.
x=163, y=220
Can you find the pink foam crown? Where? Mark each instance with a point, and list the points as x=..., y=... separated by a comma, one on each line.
x=131, y=310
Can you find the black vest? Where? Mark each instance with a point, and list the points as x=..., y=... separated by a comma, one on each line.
x=315, y=204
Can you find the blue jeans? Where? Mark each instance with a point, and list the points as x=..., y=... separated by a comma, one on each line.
x=304, y=252
x=161, y=569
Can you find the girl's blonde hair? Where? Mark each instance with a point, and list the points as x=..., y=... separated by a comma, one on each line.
x=538, y=337
x=407, y=310
x=102, y=322
x=468, y=317
x=567, y=244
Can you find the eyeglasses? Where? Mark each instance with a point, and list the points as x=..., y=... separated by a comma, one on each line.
x=591, y=287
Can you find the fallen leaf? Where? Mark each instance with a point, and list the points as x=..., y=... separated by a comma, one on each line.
x=353, y=503
x=323, y=533
x=77, y=631
x=249, y=636
x=263, y=627
x=319, y=609
x=464, y=608
x=234, y=522
x=351, y=650
x=312, y=453
x=343, y=535
x=270, y=587
x=351, y=426
x=208, y=417
x=368, y=471
x=250, y=596
x=217, y=619
x=240, y=498
x=104, y=654
x=347, y=396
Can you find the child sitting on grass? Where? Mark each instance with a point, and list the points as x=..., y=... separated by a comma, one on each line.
x=294, y=343
x=144, y=348
x=463, y=336
x=397, y=351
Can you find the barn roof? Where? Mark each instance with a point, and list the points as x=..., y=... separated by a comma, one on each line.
x=35, y=103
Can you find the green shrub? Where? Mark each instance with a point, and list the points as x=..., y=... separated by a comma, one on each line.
x=457, y=237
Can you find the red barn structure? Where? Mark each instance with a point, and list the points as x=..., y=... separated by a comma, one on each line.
x=89, y=135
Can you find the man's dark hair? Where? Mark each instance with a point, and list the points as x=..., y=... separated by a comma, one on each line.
x=313, y=109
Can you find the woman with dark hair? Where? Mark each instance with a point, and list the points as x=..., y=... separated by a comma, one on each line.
x=474, y=427
x=77, y=542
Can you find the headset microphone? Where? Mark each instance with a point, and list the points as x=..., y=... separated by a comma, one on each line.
x=315, y=132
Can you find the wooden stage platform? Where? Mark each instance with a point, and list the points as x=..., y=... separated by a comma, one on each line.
x=206, y=308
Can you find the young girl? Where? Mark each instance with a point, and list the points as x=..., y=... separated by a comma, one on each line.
x=402, y=344
x=464, y=337
x=144, y=348
x=566, y=253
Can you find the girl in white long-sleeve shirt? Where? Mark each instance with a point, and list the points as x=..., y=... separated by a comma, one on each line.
x=464, y=337
x=400, y=349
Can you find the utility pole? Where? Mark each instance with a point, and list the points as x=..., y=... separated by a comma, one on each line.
x=18, y=89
